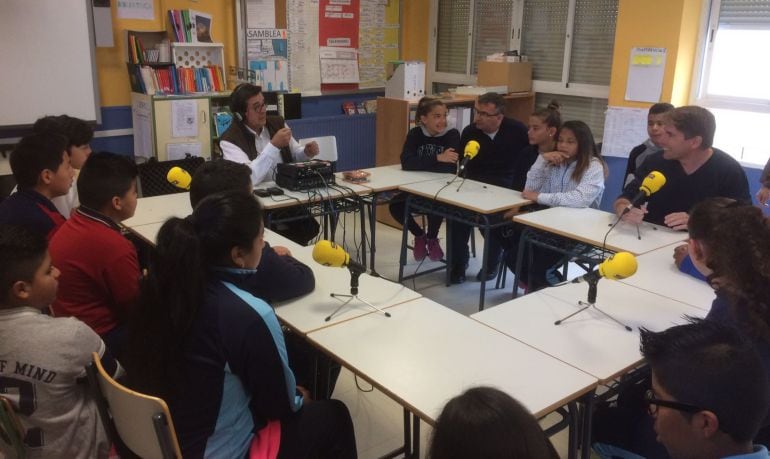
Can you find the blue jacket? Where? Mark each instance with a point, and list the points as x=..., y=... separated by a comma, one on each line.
x=236, y=371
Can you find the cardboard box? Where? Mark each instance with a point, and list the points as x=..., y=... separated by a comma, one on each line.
x=516, y=75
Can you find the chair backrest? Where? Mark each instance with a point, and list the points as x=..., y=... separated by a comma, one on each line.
x=152, y=175
x=327, y=147
x=11, y=432
x=141, y=423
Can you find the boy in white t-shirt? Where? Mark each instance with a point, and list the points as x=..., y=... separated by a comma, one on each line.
x=43, y=359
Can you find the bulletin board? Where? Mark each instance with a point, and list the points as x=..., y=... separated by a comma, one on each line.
x=331, y=45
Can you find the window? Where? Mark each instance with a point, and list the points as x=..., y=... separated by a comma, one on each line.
x=569, y=42
x=733, y=77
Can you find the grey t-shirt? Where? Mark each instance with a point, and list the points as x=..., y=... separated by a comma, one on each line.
x=42, y=373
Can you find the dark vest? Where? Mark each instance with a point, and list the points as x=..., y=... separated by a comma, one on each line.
x=238, y=135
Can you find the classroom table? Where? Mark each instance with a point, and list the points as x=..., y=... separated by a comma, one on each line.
x=464, y=201
x=308, y=313
x=588, y=341
x=383, y=179
x=591, y=225
x=158, y=209
x=586, y=226
x=425, y=354
x=657, y=273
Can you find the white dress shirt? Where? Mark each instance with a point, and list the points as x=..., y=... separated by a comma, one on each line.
x=268, y=155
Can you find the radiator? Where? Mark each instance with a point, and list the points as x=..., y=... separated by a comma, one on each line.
x=355, y=137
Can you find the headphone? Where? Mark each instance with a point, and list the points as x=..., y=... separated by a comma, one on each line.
x=240, y=97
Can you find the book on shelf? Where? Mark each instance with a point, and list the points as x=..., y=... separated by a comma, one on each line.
x=349, y=108
x=148, y=47
x=223, y=121
x=190, y=26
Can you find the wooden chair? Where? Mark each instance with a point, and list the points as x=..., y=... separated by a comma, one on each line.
x=11, y=432
x=133, y=420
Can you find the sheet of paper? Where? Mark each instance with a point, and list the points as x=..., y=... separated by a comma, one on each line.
x=304, y=68
x=645, y=74
x=260, y=14
x=378, y=37
x=184, y=118
x=181, y=150
x=624, y=128
x=338, y=65
x=136, y=9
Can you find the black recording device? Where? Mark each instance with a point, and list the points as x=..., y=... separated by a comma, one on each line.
x=304, y=175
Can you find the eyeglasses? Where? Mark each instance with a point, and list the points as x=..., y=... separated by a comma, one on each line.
x=653, y=404
x=259, y=107
x=488, y=115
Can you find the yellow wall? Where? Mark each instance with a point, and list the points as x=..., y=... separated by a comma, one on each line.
x=670, y=24
x=114, y=88
x=415, y=33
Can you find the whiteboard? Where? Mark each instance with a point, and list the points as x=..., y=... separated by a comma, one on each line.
x=46, y=61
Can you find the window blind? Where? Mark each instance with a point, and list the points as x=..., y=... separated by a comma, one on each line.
x=593, y=41
x=491, y=29
x=588, y=110
x=744, y=13
x=542, y=40
x=452, y=36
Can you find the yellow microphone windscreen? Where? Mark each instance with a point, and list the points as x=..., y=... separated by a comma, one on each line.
x=179, y=177
x=653, y=182
x=328, y=253
x=472, y=149
x=618, y=266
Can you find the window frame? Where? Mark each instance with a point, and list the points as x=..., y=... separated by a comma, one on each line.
x=564, y=86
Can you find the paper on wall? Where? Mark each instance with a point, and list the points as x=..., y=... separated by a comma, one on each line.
x=184, y=118
x=182, y=150
x=338, y=65
x=645, y=74
x=624, y=128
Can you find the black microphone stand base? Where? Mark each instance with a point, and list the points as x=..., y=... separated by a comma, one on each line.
x=591, y=303
x=353, y=296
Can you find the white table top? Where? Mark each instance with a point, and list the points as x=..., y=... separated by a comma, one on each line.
x=426, y=354
x=307, y=313
x=385, y=178
x=657, y=273
x=476, y=196
x=588, y=341
x=590, y=225
x=158, y=209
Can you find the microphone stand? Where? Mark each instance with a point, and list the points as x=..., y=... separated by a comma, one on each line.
x=592, y=289
x=354, y=275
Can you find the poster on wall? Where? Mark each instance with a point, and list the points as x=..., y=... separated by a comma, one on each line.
x=268, y=56
x=624, y=128
x=304, y=69
x=645, y=74
x=338, y=26
x=338, y=65
x=136, y=9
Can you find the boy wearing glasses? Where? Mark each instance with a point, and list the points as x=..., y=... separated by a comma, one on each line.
x=709, y=393
x=502, y=161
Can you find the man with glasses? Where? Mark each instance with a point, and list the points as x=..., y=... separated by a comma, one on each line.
x=709, y=393
x=261, y=142
x=501, y=161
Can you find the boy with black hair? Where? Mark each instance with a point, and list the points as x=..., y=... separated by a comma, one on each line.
x=79, y=135
x=279, y=276
x=99, y=267
x=42, y=170
x=656, y=119
x=43, y=359
x=709, y=393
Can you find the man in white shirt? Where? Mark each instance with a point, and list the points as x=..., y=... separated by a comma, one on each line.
x=258, y=140
x=261, y=142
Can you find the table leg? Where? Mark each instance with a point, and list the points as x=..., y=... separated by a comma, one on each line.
x=519, y=258
x=404, y=234
x=406, y=448
x=362, y=214
x=587, y=421
x=484, y=256
x=373, y=230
